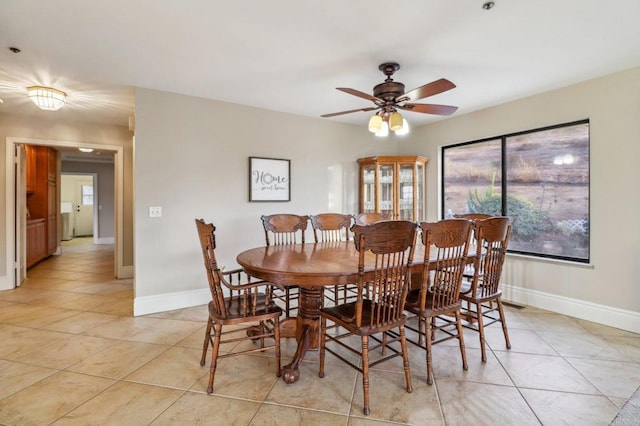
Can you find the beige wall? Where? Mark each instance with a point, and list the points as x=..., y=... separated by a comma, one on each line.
x=191, y=159
x=20, y=126
x=612, y=104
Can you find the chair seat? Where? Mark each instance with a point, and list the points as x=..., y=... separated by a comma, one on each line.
x=239, y=308
x=413, y=297
x=345, y=316
x=413, y=304
x=289, y=286
x=467, y=295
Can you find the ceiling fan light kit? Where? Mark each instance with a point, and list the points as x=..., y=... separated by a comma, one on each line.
x=389, y=96
x=395, y=121
x=384, y=130
x=404, y=130
x=375, y=123
x=47, y=98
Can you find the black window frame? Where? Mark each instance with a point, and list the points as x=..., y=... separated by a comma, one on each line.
x=504, y=182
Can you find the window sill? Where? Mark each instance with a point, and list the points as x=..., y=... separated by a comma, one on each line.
x=551, y=260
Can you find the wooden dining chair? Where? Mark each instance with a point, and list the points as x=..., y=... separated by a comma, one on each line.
x=334, y=227
x=372, y=217
x=281, y=229
x=469, y=270
x=436, y=303
x=385, y=255
x=237, y=302
x=492, y=238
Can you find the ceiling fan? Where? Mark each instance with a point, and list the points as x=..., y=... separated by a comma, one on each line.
x=390, y=96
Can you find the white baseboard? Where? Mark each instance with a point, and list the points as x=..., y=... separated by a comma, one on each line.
x=170, y=301
x=602, y=314
x=105, y=240
x=6, y=283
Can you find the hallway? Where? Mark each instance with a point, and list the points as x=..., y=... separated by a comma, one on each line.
x=81, y=279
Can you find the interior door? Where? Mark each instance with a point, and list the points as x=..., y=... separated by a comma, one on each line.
x=21, y=213
x=84, y=206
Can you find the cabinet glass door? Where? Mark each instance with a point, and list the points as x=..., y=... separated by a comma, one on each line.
x=386, y=188
x=405, y=197
x=368, y=189
x=420, y=192
x=393, y=185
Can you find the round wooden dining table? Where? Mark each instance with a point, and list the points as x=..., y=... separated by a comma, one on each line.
x=310, y=266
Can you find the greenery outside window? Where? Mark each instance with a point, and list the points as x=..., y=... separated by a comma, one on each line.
x=539, y=178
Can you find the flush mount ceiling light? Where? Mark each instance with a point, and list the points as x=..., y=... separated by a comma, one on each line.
x=85, y=149
x=47, y=98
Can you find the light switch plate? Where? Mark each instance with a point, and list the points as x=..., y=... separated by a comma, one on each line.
x=155, y=211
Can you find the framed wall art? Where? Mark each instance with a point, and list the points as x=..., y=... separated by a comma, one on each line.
x=269, y=179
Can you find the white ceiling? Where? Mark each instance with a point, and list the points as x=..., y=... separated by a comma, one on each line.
x=290, y=55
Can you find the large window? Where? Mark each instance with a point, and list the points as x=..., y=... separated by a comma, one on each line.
x=539, y=178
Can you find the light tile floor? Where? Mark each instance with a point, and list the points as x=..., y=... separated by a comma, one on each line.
x=71, y=353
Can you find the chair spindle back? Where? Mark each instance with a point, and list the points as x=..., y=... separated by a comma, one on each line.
x=389, y=248
x=331, y=227
x=492, y=238
x=282, y=229
x=446, y=243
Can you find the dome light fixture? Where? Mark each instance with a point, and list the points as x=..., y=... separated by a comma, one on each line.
x=47, y=98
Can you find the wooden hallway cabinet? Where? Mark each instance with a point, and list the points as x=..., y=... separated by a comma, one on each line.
x=42, y=202
x=31, y=153
x=52, y=200
x=394, y=185
x=36, y=241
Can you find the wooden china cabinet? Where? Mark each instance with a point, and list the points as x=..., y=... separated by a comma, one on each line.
x=393, y=185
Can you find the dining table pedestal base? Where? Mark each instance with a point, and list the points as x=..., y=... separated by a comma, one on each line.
x=308, y=323
x=288, y=327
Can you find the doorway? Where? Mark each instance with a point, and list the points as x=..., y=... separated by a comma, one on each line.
x=15, y=212
x=78, y=201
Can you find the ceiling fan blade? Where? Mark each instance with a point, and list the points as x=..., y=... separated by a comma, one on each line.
x=333, y=114
x=430, y=108
x=360, y=94
x=428, y=89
